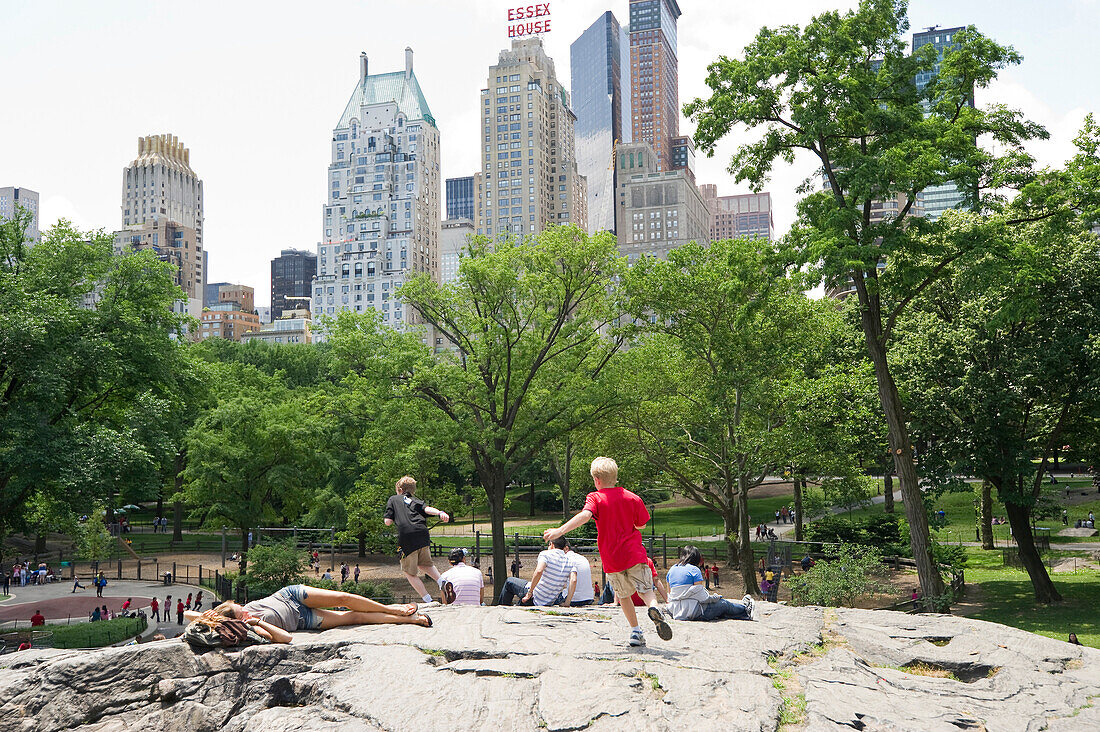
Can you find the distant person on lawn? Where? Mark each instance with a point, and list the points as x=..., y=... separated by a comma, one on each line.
x=410, y=514
x=620, y=515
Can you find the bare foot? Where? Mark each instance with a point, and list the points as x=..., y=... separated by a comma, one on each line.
x=424, y=621
x=406, y=610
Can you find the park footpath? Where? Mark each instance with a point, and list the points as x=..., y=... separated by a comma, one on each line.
x=60, y=605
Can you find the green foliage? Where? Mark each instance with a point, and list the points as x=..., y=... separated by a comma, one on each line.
x=98, y=634
x=880, y=531
x=88, y=367
x=839, y=582
x=93, y=541
x=274, y=566
x=378, y=591
x=849, y=491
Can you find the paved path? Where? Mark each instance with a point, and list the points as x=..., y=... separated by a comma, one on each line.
x=58, y=602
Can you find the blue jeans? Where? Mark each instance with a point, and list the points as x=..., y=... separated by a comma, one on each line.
x=722, y=610
x=513, y=587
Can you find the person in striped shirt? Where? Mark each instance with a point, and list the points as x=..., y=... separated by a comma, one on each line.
x=461, y=584
x=547, y=584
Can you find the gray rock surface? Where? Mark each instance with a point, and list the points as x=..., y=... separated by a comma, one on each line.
x=522, y=669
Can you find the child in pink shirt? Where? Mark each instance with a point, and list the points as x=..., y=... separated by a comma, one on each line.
x=619, y=516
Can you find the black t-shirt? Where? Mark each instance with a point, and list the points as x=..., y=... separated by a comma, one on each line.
x=412, y=526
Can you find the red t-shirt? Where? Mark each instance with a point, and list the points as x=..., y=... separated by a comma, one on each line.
x=617, y=512
x=179, y=606
x=154, y=605
x=38, y=619
x=636, y=598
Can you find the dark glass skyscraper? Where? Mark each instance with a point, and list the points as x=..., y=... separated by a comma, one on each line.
x=292, y=274
x=938, y=199
x=460, y=198
x=600, y=76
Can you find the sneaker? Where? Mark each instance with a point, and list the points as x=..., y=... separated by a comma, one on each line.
x=448, y=593
x=636, y=638
x=750, y=605
x=664, y=630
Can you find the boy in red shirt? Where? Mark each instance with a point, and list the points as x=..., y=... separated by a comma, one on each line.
x=619, y=516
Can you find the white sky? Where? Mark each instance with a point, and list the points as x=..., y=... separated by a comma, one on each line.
x=253, y=89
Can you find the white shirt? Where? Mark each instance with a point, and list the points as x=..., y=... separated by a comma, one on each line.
x=555, y=576
x=583, y=569
x=467, y=582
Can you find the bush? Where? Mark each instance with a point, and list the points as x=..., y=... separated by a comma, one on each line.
x=96, y=635
x=880, y=531
x=854, y=573
x=379, y=591
x=548, y=500
x=274, y=566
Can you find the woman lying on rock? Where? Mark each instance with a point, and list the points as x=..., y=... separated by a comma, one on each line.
x=299, y=607
x=688, y=599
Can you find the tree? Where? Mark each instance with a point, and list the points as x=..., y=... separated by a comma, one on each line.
x=719, y=376
x=87, y=364
x=255, y=456
x=856, y=571
x=1001, y=360
x=843, y=91
x=528, y=359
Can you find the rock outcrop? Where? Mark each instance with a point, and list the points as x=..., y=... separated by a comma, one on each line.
x=527, y=669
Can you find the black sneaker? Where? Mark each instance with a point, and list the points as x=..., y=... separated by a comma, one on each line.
x=664, y=630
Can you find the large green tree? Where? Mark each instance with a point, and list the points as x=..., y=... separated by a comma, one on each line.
x=721, y=375
x=528, y=357
x=88, y=364
x=842, y=90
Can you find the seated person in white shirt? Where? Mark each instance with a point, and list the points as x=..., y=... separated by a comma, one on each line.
x=461, y=584
x=548, y=582
x=579, y=591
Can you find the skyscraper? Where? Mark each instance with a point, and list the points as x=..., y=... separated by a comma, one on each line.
x=938, y=199
x=600, y=76
x=292, y=274
x=11, y=199
x=381, y=219
x=460, y=198
x=655, y=75
x=744, y=215
x=529, y=166
x=162, y=209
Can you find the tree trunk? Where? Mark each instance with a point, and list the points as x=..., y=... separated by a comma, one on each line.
x=177, y=521
x=888, y=492
x=799, y=486
x=1019, y=518
x=748, y=571
x=39, y=544
x=160, y=504
x=362, y=537
x=531, y=500
x=243, y=565
x=733, y=552
x=920, y=541
x=985, y=514
x=495, y=493
x=564, y=480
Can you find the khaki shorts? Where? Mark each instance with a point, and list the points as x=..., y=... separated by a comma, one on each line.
x=638, y=579
x=422, y=557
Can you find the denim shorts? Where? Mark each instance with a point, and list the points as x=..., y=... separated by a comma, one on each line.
x=295, y=596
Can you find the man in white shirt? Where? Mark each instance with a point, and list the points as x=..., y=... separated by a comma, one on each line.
x=461, y=583
x=548, y=582
x=578, y=592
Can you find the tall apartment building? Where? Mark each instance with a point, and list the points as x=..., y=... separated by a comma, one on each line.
x=452, y=242
x=937, y=199
x=160, y=188
x=460, y=198
x=657, y=210
x=529, y=177
x=744, y=215
x=599, y=78
x=292, y=274
x=655, y=76
x=381, y=219
x=210, y=293
x=11, y=199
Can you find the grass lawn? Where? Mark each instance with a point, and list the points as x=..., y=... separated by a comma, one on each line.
x=96, y=635
x=1007, y=598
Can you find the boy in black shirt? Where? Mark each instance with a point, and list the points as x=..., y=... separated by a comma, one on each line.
x=410, y=514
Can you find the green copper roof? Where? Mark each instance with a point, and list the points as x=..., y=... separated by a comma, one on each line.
x=384, y=88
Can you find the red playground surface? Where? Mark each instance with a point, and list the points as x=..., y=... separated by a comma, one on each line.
x=78, y=606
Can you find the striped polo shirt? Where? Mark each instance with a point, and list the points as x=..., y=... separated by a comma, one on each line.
x=555, y=576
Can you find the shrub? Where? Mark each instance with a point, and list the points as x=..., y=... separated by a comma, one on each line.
x=881, y=531
x=274, y=566
x=96, y=635
x=854, y=573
